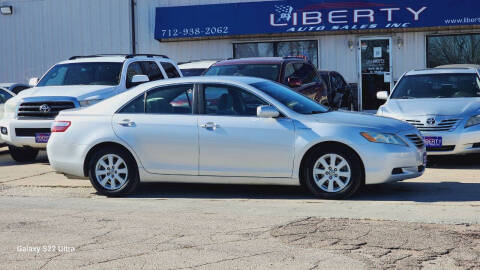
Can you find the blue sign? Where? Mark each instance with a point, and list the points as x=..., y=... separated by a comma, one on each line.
x=288, y=16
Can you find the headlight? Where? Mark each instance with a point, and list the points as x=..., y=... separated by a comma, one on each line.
x=9, y=108
x=89, y=102
x=473, y=121
x=378, y=137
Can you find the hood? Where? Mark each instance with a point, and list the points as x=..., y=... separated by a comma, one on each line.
x=77, y=91
x=363, y=120
x=431, y=106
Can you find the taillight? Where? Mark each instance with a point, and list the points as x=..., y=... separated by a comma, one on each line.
x=60, y=126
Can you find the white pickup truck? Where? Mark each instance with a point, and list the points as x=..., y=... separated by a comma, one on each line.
x=80, y=81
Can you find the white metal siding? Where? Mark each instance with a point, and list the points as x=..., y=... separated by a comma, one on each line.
x=41, y=33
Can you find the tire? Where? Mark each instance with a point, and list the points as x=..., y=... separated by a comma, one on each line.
x=113, y=181
x=346, y=163
x=23, y=154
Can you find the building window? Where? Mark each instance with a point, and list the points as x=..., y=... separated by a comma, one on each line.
x=453, y=49
x=308, y=48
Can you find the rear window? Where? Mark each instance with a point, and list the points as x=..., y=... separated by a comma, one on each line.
x=265, y=71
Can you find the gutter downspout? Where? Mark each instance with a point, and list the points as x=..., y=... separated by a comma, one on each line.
x=132, y=14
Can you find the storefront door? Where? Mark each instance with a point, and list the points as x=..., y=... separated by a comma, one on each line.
x=375, y=70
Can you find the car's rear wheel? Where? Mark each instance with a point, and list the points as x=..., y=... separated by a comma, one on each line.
x=23, y=154
x=333, y=172
x=113, y=172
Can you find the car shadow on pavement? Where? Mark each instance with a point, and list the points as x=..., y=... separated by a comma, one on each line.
x=219, y=191
x=421, y=192
x=454, y=162
x=401, y=191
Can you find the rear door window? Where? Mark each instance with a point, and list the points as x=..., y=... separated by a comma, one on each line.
x=133, y=69
x=152, y=70
x=175, y=99
x=171, y=70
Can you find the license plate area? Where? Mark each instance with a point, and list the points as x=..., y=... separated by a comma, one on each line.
x=433, y=141
x=42, y=137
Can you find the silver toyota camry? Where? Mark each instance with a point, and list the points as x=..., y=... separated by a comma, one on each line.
x=231, y=130
x=443, y=103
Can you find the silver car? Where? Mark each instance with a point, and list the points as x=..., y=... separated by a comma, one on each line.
x=443, y=103
x=230, y=130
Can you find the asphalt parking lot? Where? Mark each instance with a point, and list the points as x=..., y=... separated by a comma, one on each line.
x=50, y=222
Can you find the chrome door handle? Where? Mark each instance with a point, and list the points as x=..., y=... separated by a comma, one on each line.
x=126, y=123
x=210, y=125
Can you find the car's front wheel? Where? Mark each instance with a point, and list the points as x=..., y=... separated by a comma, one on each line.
x=333, y=172
x=113, y=172
x=23, y=154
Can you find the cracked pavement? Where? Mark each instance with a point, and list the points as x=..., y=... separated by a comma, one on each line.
x=431, y=222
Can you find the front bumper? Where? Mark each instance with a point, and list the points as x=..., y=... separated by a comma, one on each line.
x=32, y=126
x=457, y=142
x=389, y=163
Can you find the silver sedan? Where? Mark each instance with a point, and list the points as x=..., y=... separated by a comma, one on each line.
x=443, y=103
x=231, y=130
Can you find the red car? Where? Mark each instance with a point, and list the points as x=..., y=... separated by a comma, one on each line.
x=295, y=72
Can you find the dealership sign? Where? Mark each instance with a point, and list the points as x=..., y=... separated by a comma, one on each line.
x=276, y=17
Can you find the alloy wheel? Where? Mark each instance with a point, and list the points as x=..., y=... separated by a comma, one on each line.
x=332, y=173
x=111, y=172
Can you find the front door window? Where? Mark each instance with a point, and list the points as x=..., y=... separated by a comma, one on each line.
x=375, y=71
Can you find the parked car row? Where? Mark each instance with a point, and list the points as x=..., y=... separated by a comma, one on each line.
x=250, y=120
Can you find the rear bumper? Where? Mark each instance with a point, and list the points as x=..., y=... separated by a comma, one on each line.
x=66, y=157
x=21, y=141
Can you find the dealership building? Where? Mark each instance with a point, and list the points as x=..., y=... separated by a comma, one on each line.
x=371, y=43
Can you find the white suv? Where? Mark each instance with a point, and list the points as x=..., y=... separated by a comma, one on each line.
x=81, y=81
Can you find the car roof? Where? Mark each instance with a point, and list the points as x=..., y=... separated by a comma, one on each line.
x=209, y=79
x=113, y=58
x=197, y=64
x=474, y=66
x=440, y=71
x=256, y=60
x=108, y=59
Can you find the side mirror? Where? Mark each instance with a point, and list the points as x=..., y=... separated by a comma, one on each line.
x=33, y=81
x=294, y=82
x=266, y=111
x=382, y=95
x=138, y=79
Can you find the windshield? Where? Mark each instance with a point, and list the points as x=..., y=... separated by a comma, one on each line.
x=454, y=85
x=83, y=74
x=265, y=71
x=293, y=100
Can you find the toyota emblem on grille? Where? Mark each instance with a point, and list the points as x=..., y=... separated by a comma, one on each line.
x=431, y=121
x=45, y=108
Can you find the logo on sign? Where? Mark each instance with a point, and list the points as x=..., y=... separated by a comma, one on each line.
x=45, y=108
x=284, y=13
x=431, y=121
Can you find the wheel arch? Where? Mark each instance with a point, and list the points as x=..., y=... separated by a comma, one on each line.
x=100, y=145
x=324, y=144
